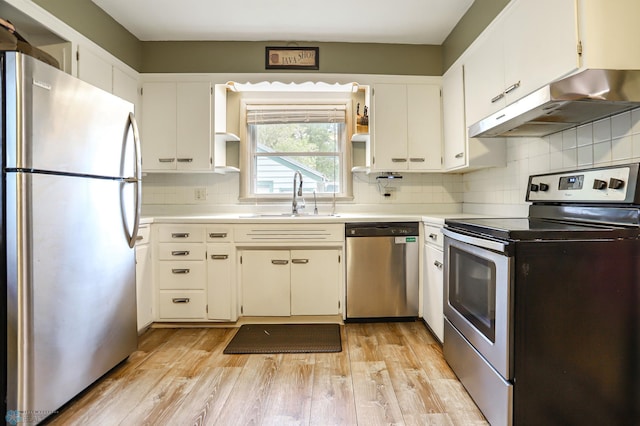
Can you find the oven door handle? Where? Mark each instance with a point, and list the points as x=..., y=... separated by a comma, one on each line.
x=475, y=241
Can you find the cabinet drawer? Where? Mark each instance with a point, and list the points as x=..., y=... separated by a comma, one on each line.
x=182, y=304
x=186, y=251
x=181, y=233
x=182, y=275
x=433, y=235
x=219, y=234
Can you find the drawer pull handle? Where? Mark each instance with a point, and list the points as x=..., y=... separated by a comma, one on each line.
x=139, y=238
x=398, y=160
x=433, y=237
x=180, y=271
x=179, y=235
x=300, y=261
x=180, y=253
x=460, y=155
x=219, y=256
x=279, y=262
x=417, y=160
x=217, y=235
x=166, y=160
x=185, y=160
x=437, y=264
x=497, y=98
x=180, y=300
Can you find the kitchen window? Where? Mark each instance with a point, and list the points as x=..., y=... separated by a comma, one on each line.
x=285, y=138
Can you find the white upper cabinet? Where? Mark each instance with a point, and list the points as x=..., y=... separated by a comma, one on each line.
x=459, y=151
x=176, y=126
x=533, y=43
x=94, y=69
x=406, y=127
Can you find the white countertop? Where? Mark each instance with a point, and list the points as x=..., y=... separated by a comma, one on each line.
x=437, y=219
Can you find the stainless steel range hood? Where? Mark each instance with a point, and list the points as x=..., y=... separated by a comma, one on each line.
x=581, y=98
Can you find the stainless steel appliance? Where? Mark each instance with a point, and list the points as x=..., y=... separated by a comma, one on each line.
x=542, y=314
x=382, y=270
x=70, y=203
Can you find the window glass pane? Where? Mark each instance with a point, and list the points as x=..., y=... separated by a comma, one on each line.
x=299, y=137
x=274, y=174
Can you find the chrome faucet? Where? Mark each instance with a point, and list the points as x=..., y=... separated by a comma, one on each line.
x=294, y=202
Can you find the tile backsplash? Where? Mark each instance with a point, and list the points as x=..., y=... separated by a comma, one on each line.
x=414, y=193
x=495, y=191
x=501, y=191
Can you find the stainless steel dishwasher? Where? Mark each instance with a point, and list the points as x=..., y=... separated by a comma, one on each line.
x=382, y=270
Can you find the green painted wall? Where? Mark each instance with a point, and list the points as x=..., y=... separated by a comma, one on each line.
x=91, y=21
x=479, y=15
x=212, y=57
x=249, y=57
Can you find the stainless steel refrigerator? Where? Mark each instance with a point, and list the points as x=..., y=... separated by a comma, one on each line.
x=70, y=212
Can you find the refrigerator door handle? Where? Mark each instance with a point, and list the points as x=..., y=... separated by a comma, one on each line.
x=137, y=179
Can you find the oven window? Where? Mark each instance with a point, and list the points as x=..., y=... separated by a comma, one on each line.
x=472, y=290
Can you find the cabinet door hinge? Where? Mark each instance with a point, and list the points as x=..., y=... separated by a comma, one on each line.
x=207, y=308
x=78, y=55
x=241, y=259
x=338, y=304
x=579, y=48
x=339, y=258
x=141, y=91
x=242, y=309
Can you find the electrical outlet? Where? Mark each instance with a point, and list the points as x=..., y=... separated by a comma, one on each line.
x=200, y=194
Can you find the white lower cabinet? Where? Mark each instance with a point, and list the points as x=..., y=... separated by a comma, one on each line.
x=433, y=280
x=433, y=291
x=290, y=282
x=144, y=278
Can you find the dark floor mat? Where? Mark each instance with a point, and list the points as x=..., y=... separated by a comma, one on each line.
x=285, y=338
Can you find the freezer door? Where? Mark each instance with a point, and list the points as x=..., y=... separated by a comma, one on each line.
x=71, y=286
x=56, y=122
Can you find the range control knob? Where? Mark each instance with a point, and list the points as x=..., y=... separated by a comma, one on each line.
x=534, y=187
x=616, y=183
x=599, y=184
x=544, y=187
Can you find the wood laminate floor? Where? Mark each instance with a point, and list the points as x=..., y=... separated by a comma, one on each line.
x=386, y=374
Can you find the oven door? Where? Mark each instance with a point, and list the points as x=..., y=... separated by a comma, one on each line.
x=477, y=300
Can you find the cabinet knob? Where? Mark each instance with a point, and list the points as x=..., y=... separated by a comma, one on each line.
x=460, y=155
x=437, y=264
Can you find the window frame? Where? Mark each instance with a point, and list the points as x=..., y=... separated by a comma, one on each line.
x=246, y=164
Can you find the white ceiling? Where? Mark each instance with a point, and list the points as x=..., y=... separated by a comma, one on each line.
x=358, y=21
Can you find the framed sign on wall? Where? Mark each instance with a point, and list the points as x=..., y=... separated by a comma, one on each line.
x=292, y=58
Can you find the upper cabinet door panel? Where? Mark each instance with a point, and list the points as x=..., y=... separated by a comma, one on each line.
x=390, y=126
x=541, y=39
x=484, y=76
x=194, y=140
x=159, y=126
x=424, y=127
